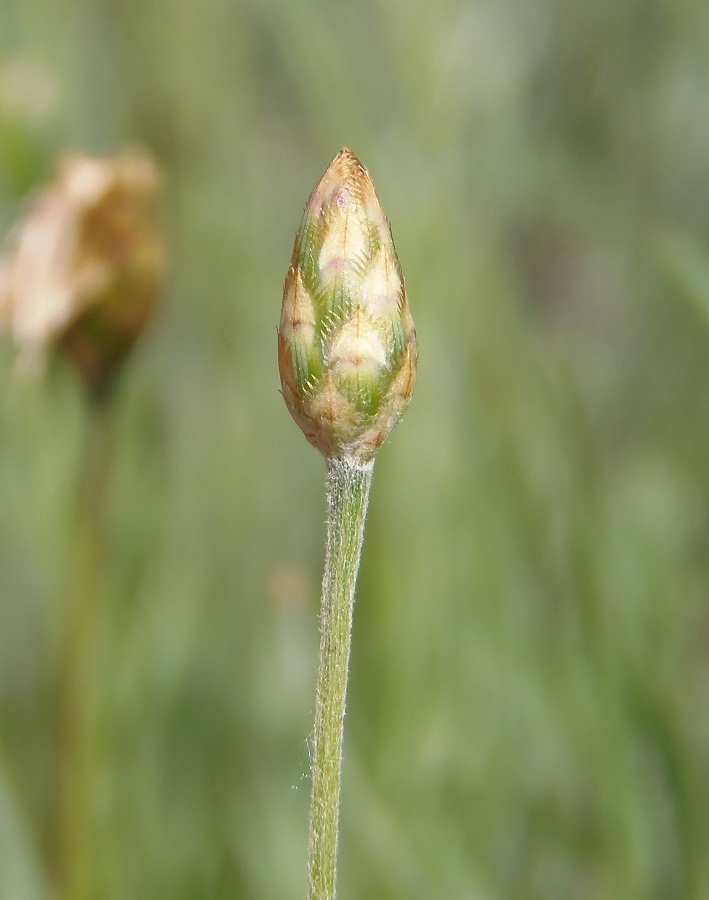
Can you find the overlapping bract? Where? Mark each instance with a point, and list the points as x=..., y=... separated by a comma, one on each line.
x=346, y=343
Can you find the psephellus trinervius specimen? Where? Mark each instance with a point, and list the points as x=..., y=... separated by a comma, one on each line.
x=347, y=356
x=346, y=344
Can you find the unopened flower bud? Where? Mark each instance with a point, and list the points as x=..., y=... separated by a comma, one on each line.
x=86, y=265
x=347, y=347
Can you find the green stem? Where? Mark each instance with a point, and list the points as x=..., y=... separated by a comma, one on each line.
x=79, y=662
x=347, y=485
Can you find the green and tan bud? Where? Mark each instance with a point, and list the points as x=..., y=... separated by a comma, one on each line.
x=347, y=347
x=86, y=265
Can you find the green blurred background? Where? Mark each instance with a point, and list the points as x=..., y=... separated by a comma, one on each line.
x=529, y=698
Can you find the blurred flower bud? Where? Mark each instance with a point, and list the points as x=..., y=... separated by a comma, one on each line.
x=346, y=343
x=86, y=265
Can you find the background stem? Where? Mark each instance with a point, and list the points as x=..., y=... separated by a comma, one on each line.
x=79, y=662
x=347, y=486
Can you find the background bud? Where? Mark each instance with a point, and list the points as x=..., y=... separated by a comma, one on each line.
x=346, y=343
x=86, y=264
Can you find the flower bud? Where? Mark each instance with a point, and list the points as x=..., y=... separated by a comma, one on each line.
x=86, y=264
x=347, y=347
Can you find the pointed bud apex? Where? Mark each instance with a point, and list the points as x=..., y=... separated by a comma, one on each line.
x=86, y=265
x=346, y=343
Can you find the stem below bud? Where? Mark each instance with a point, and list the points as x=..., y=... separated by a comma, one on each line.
x=348, y=484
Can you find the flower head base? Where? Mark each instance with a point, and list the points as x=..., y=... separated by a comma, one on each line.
x=86, y=264
x=347, y=348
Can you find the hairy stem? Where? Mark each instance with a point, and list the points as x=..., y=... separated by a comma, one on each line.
x=348, y=485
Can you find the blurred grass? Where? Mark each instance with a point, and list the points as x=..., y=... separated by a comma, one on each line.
x=527, y=714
